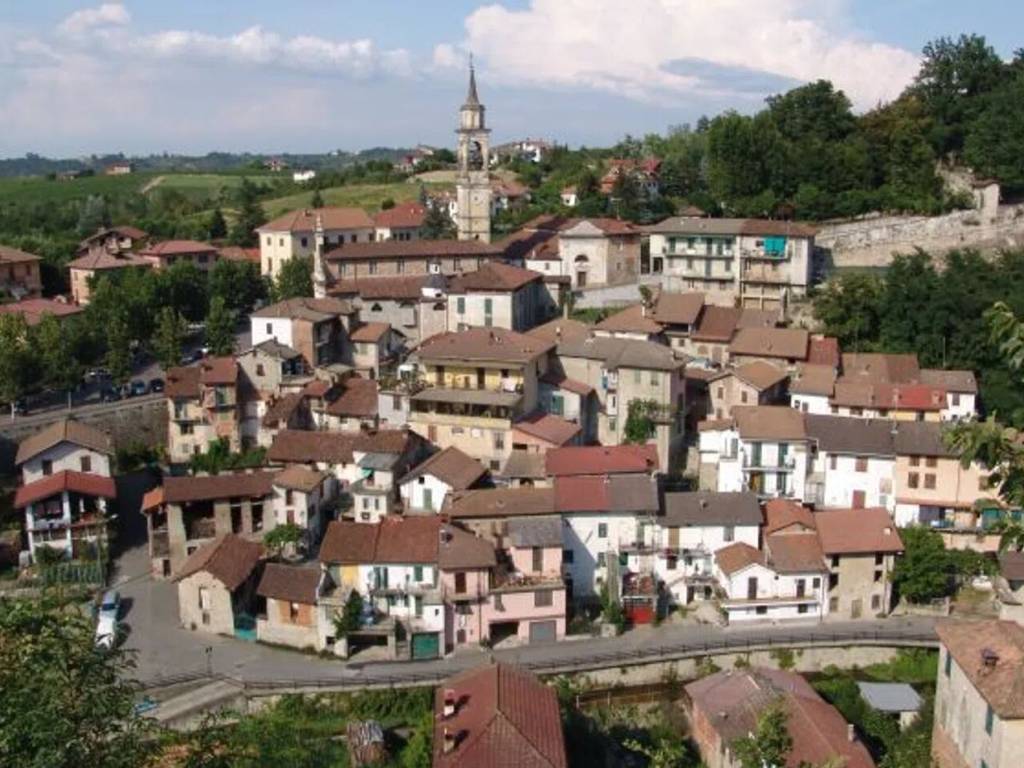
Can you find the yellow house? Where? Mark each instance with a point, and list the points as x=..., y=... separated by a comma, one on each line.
x=477, y=383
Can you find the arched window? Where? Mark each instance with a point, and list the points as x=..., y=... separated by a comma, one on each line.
x=475, y=156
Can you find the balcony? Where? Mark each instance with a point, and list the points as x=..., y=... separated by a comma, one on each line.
x=203, y=528
x=636, y=546
x=466, y=403
x=508, y=580
x=766, y=273
x=219, y=398
x=760, y=463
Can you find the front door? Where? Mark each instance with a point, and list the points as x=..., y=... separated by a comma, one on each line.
x=752, y=588
x=859, y=500
x=581, y=279
x=855, y=608
x=542, y=631
x=673, y=538
x=801, y=587
x=428, y=499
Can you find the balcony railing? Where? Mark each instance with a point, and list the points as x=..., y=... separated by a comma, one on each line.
x=785, y=464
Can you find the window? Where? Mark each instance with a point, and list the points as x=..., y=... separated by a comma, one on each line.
x=954, y=399
x=538, y=559
x=743, y=397
x=861, y=464
x=499, y=441
x=989, y=719
x=637, y=376
x=260, y=370
x=833, y=580
x=542, y=598
x=816, y=582
x=728, y=533
x=86, y=463
x=929, y=481
x=373, y=267
x=931, y=462
x=460, y=305
x=949, y=663
x=654, y=379
x=293, y=611
x=721, y=392
x=835, y=561
x=399, y=266
x=876, y=602
x=280, y=242
x=499, y=605
x=305, y=242
x=270, y=240
x=832, y=461
x=601, y=560
x=270, y=328
x=802, y=608
x=761, y=610
x=289, y=497
x=567, y=555
x=557, y=405
x=417, y=573
x=47, y=467
x=913, y=480
x=915, y=461
x=602, y=530
x=878, y=576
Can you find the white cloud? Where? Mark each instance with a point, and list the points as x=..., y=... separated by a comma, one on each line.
x=627, y=48
x=446, y=56
x=88, y=19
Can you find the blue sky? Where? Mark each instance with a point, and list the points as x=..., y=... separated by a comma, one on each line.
x=312, y=75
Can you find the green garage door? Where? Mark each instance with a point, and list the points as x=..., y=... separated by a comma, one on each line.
x=426, y=645
x=542, y=631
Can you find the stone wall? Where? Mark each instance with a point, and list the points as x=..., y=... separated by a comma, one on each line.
x=128, y=422
x=871, y=242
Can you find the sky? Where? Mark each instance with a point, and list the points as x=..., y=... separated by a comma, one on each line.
x=193, y=76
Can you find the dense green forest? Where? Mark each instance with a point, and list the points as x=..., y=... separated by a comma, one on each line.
x=935, y=311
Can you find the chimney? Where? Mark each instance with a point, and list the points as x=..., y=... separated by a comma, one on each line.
x=449, y=702
x=449, y=740
x=989, y=658
x=851, y=732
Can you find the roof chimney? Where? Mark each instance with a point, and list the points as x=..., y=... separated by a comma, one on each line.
x=449, y=740
x=989, y=658
x=851, y=732
x=449, y=702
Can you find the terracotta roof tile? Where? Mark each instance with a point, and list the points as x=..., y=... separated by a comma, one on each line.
x=1000, y=681
x=841, y=434
x=633, y=319
x=63, y=431
x=602, y=459
x=963, y=382
x=497, y=344
x=824, y=351
x=769, y=422
x=294, y=584
x=9, y=255
x=357, y=397
x=501, y=502
x=493, y=277
x=34, y=310
x=735, y=557
x=623, y=353
x=230, y=559
x=795, y=552
x=306, y=308
x=214, y=371
x=678, y=308
x=854, y=531
x=84, y=483
x=176, y=248
x=406, y=287
x=307, y=447
x=304, y=220
x=716, y=324
x=560, y=381
x=710, y=508
x=369, y=332
x=780, y=514
x=414, y=249
x=183, y=382
x=401, y=216
x=504, y=716
x=548, y=427
x=452, y=467
x=787, y=343
x=597, y=493
x=902, y=368
x=280, y=409
x=187, y=488
x=300, y=478
x=758, y=374
x=561, y=329
x=100, y=258
x=814, y=380
x=425, y=539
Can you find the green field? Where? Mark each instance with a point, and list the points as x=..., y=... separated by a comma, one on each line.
x=202, y=185
x=37, y=189
x=367, y=196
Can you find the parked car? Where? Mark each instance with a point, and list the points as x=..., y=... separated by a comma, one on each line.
x=106, y=632
x=110, y=604
x=97, y=375
x=192, y=357
x=139, y=388
x=110, y=394
x=156, y=385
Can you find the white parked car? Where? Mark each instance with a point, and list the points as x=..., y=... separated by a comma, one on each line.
x=106, y=632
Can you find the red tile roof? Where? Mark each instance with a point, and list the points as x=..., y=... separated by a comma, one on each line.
x=678, y=308
x=561, y=329
x=63, y=431
x=187, y=488
x=601, y=459
x=414, y=249
x=738, y=556
x=569, y=385
x=547, y=427
x=420, y=539
x=401, y=216
x=294, y=584
x=100, y=258
x=307, y=447
x=79, y=482
x=601, y=493
x=501, y=502
x=493, y=276
x=783, y=513
x=10, y=255
x=230, y=559
x=824, y=351
x=452, y=467
x=304, y=220
x=407, y=287
x=1000, y=681
x=497, y=344
x=716, y=324
x=176, y=248
x=856, y=531
x=214, y=371
x=183, y=382
x=34, y=310
x=788, y=343
x=369, y=332
x=357, y=397
x=633, y=319
x=503, y=716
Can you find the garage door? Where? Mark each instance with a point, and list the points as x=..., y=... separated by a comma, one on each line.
x=426, y=645
x=542, y=631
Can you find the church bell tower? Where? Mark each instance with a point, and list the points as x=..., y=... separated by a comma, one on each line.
x=473, y=184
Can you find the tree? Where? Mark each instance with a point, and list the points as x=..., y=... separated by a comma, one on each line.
x=119, y=354
x=250, y=215
x=183, y=286
x=15, y=358
x=317, y=201
x=220, y=328
x=66, y=703
x=171, y=330
x=770, y=744
x=640, y=426
x=663, y=753
x=284, y=535
x=437, y=224
x=995, y=139
x=922, y=571
x=387, y=204
x=218, y=227
x=60, y=368
x=238, y=283
x=294, y=279
x=847, y=307
x=94, y=215
x=350, y=617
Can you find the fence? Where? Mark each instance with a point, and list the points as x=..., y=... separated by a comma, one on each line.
x=581, y=662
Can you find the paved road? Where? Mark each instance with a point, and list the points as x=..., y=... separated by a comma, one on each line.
x=166, y=649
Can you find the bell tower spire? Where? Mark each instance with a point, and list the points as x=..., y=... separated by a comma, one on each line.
x=473, y=182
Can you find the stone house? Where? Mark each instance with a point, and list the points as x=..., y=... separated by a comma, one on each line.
x=399, y=301
x=163, y=255
x=599, y=252
x=217, y=586
x=94, y=263
x=19, y=273
x=289, y=615
x=754, y=383
x=782, y=347
x=270, y=366
x=375, y=346
x=316, y=328
x=204, y=405
x=394, y=258
x=498, y=295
